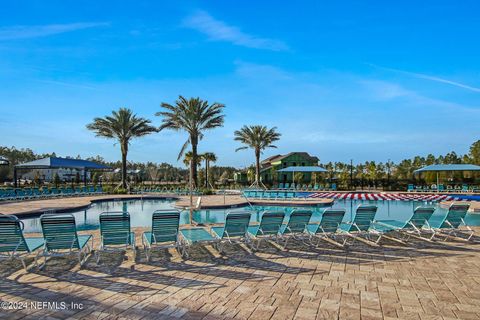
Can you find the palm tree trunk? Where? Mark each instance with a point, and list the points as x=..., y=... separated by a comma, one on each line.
x=124, y=169
x=206, y=173
x=194, y=161
x=257, y=166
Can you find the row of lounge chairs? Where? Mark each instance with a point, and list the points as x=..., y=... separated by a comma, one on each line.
x=441, y=188
x=271, y=195
x=166, y=190
x=37, y=193
x=60, y=233
x=305, y=187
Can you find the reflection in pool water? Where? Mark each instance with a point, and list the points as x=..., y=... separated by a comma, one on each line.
x=141, y=212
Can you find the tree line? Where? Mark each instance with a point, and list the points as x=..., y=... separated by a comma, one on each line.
x=195, y=116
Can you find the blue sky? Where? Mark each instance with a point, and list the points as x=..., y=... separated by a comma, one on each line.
x=361, y=80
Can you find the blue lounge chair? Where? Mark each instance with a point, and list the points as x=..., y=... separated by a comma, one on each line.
x=453, y=221
x=328, y=227
x=164, y=233
x=13, y=244
x=61, y=238
x=115, y=233
x=269, y=228
x=296, y=226
x=411, y=188
x=234, y=230
x=362, y=221
x=417, y=225
x=290, y=195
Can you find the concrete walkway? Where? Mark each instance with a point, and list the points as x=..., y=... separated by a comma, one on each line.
x=70, y=203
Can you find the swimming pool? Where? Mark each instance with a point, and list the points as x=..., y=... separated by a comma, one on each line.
x=141, y=212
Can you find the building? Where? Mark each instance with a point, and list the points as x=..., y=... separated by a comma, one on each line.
x=269, y=167
x=48, y=175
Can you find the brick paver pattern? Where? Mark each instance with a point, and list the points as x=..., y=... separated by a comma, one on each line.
x=415, y=281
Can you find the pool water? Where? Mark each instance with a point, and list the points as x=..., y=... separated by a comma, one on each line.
x=141, y=212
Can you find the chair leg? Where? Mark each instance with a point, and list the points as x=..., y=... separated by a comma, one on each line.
x=23, y=263
x=147, y=253
x=97, y=256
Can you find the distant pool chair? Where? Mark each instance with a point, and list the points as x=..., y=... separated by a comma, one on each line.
x=410, y=188
x=115, y=233
x=453, y=221
x=417, y=226
x=61, y=238
x=269, y=228
x=361, y=224
x=164, y=233
x=13, y=244
x=296, y=226
x=328, y=227
x=233, y=231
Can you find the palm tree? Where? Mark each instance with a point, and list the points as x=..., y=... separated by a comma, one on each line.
x=122, y=125
x=258, y=138
x=187, y=158
x=208, y=157
x=193, y=116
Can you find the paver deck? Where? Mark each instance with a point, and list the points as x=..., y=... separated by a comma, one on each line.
x=418, y=281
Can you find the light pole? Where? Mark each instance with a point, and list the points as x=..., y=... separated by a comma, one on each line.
x=351, y=174
x=388, y=174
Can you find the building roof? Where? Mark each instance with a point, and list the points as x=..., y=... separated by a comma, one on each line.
x=3, y=161
x=53, y=162
x=280, y=157
x=449, y=167
x=303, y=169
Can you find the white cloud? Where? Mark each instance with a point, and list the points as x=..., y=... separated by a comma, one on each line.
x=431, y=78
x=387, y=91
x=218, y=30
x=25, y=32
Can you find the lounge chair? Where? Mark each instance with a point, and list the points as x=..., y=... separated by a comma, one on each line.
x=234, y=230
x=13, y=244
x=410, y=188
x=328, y=227
x=416, y=226
x=61, y=238
x=164, y=233
x=296, y=226
x=362, y=221
x=290, y=195
x=453, y=221
x=115, y=233
x=268, y=228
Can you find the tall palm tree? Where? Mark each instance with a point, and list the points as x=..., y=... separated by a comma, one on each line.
x=122, y=125
x=208, y=157
x=258, y=138
x=193, y=116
